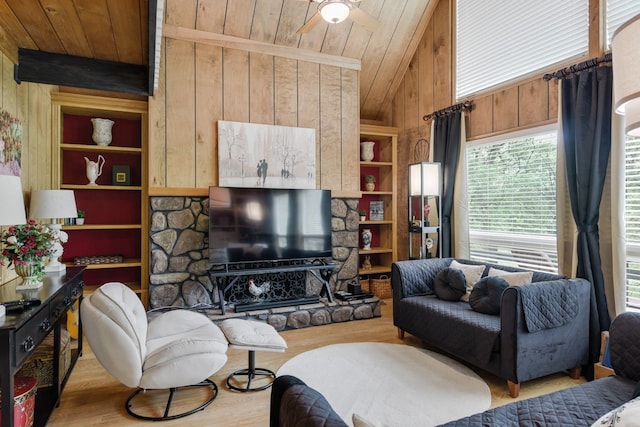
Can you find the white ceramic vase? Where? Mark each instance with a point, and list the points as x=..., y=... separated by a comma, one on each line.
x=366, y=150
x=366, y=239
x=102, y=131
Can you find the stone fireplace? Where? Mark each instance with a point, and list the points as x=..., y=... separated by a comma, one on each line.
x=179, y=266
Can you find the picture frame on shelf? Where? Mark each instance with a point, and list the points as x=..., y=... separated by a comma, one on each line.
x=121, y=175
x=376, y=210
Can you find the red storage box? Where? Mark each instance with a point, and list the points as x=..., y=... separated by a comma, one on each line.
x=24, y=397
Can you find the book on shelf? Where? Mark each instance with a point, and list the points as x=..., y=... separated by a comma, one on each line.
x=376, y=210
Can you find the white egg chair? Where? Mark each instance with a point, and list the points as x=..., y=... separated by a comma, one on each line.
x=178, y=348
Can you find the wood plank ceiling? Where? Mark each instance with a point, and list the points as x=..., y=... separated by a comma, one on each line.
x=117, y=30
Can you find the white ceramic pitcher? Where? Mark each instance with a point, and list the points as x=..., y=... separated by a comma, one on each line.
x=94, y=169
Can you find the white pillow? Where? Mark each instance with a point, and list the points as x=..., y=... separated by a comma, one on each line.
x=513, y=278
x=625, y=415
x=360, y=421
x=472, y=273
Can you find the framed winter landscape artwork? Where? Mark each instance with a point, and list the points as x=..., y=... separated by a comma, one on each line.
x=269, y=156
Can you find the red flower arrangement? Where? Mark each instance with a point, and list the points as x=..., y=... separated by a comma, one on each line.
x=27, y=243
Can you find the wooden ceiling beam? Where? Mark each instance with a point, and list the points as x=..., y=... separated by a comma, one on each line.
x=67, y=70
x=156, y=17
x=205, y=37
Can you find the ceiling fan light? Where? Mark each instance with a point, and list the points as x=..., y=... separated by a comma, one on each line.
x=334, y=11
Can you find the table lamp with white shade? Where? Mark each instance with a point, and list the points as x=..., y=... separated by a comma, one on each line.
x=12, y=212
x=626, y=79
x=54, y=205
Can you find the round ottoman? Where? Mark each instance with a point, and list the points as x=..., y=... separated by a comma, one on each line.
x=252, y=336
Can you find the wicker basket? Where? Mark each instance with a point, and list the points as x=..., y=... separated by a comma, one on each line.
x=380, y=287
x=364, y=284
x=40, y=364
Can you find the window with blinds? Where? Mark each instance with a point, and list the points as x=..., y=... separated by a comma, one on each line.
x=512, y=201
x=497, y=41
x=632, y=221
x=617, y=13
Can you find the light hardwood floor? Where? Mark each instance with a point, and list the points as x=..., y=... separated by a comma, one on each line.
x=92, y=397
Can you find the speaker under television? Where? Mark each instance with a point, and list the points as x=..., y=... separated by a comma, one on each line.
x=248, y=225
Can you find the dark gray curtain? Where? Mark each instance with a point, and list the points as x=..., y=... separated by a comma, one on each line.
x=586, y=127
x=446, y=148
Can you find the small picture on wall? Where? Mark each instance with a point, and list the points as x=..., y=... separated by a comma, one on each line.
x=10, y=144
x=269, y=156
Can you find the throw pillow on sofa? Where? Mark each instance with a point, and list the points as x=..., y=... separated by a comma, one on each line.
x=361, y=421
x=624, y=415
x=472, y=273
x=487, y=293
x=514, y=278
x=450, y=284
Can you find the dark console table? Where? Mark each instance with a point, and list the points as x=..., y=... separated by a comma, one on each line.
x=21, y=332
x=224, y=277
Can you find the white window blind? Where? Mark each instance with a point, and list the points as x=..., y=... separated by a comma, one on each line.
x=617, y=13
x=497, y=41
x=632, y=221
x=512, y=202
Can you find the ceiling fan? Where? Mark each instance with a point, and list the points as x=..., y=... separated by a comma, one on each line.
x=335, y=11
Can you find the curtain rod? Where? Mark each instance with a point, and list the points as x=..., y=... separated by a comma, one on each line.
x=581, y=66
x=466, y=105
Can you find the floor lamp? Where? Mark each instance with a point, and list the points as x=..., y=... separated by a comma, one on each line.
x=424, y=182
x=54, y=204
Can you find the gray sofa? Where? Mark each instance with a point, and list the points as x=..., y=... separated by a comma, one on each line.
x=295, y=404
x=508, y=344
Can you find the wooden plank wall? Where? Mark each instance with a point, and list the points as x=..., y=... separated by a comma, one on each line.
x=428, y=86
x=31, y=103
x=201, y=84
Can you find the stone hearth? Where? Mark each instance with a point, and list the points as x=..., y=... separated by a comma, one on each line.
x=303, y=316
x=179, y=266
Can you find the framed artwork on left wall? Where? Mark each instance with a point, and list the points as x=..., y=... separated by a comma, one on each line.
x=10, y=158
x=269, y=156
x=10, y=144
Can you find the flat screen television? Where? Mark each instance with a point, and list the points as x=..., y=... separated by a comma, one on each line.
x=268, y=224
